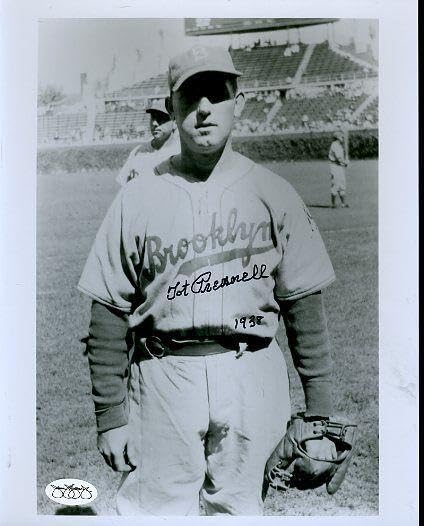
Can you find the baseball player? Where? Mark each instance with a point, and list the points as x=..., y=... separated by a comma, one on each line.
x=338, y=162
x=198, y=261
x=164, y=143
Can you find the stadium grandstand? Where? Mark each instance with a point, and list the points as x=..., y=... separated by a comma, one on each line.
x=289, y=88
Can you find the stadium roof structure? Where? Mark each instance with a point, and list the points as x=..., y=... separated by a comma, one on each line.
x=214, y=26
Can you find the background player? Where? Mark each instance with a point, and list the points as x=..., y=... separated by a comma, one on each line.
x=199, y=260
x=164, y=143
x=338, y=162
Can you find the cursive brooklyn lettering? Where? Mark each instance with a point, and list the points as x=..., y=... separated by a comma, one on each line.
x=217, y=236
x=202, y=284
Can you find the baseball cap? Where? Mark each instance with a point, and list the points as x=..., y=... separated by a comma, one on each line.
x=199, y=59
x=338, y=135
x=157, y=105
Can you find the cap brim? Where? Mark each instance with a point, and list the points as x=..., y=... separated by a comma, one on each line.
x=151, y=110
x=202, y=69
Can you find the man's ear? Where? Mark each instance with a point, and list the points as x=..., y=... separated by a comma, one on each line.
x=169, y=107
x=240, y=100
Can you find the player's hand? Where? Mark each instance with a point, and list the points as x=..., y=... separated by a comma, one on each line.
x=323, y=449
x=117, y=449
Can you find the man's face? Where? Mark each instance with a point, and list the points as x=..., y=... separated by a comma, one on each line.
x=204, y=108
x=160, y=125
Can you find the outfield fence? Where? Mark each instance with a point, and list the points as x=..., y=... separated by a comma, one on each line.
x=363, y=144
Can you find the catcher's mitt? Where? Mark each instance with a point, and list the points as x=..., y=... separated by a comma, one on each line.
x=292, y=466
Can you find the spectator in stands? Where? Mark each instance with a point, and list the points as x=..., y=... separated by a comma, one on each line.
x=165, y=142
x=338, y=162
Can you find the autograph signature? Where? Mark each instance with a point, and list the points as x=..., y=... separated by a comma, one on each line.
x=202, y=284
x=71, y=492
x=74, y=492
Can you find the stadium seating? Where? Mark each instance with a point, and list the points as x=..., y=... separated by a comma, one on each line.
x=326, y=64
x=369, y=117
x=267, y=66
x=152, y=86
x=255, y=110
x=327, y=108
x=116, y=122
x=329, y=91
x=66, y=126
x=366, y=55
x=261, y=66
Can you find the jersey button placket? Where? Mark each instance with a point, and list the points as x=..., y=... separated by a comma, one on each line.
x=196, y=229
x=201, y=313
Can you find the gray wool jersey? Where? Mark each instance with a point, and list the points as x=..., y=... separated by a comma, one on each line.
x=189, y=259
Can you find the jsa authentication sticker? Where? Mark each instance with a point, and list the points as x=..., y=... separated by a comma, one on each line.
x=71, y=492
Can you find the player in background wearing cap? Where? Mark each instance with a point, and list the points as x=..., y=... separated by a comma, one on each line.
x=338, y=162
x=164, y=143
x=199, y=260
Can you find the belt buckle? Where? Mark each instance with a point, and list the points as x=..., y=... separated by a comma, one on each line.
x=157, y=342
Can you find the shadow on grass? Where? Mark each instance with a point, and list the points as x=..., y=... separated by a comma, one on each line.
x=75, y=510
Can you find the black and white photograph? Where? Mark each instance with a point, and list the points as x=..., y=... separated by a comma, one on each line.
x=236, y=161
x=209, y=217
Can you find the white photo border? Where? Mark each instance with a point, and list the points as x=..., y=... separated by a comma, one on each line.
x=398, y=243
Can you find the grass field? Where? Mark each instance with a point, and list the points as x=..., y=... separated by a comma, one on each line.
x=70, y=209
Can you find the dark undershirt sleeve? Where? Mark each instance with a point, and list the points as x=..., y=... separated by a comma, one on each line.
x=306, y=329
x=108, y=349
x=109, y=344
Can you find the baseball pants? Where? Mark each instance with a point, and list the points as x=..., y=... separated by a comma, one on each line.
x=338, y=179
x=204, y=427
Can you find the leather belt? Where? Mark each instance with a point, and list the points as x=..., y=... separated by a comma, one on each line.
x=158, y=347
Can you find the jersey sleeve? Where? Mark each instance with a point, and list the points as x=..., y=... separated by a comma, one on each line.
x=109, y=275
x=126, y=172
x=305, y=266
x=336, y=153
x=331, y=155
